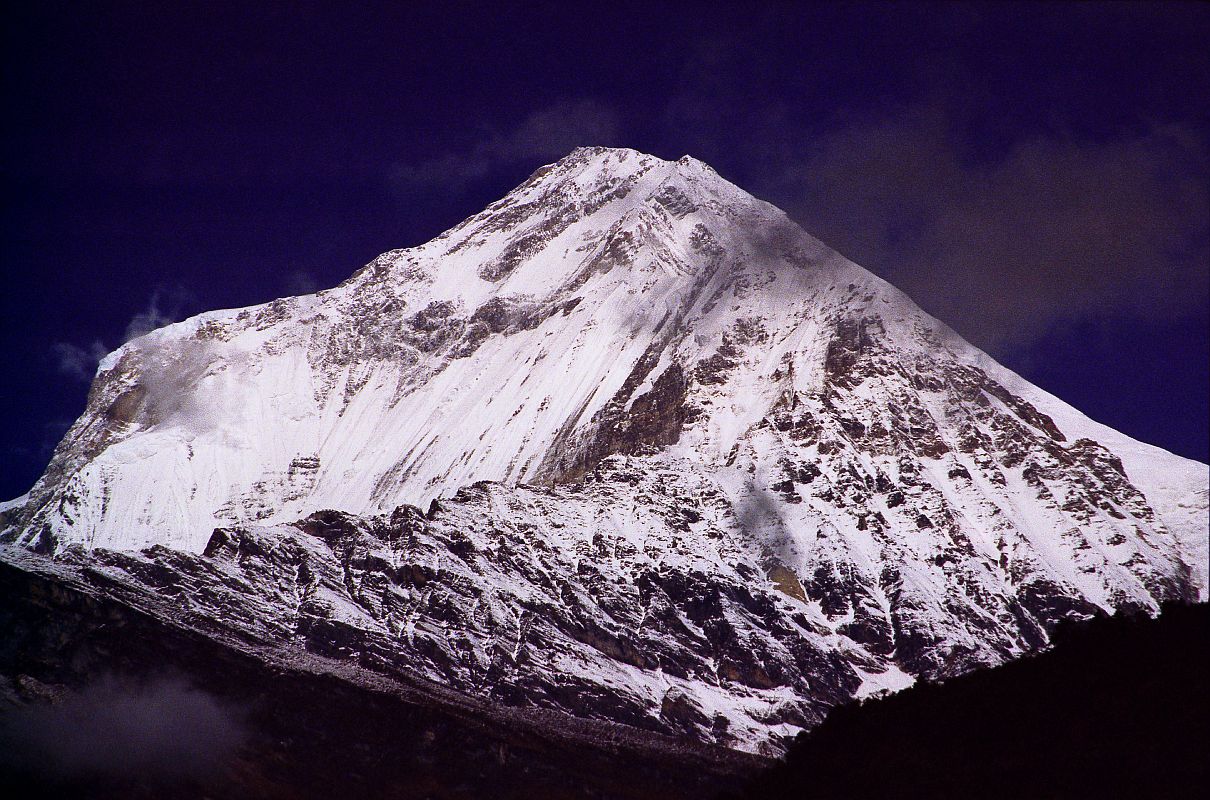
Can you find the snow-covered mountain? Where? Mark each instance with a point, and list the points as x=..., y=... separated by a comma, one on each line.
x=628, y=444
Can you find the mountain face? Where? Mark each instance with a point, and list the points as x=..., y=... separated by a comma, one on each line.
x=628, y=445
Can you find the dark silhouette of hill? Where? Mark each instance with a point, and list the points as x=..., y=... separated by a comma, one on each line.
x=1116, y=709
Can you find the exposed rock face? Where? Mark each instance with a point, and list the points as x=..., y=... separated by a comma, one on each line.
x=687, y=469
x=299, y=731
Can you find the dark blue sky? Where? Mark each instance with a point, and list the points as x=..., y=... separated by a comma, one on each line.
x=1035, y=175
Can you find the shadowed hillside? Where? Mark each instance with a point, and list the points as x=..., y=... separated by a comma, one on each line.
x=99, y=700
x=1117, y=709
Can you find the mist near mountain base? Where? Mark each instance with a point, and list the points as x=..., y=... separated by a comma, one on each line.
x=163, y=729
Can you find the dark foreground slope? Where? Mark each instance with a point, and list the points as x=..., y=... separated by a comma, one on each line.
x=1117, y=709
x=101, y=700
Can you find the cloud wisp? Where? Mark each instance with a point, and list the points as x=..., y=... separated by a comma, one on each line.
x=162, y=730
x=152, y=317
x=76, y=361
x=80, y=361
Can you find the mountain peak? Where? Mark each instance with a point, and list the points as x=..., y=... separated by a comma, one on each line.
x=595, y=208
x=684, y=456
x=602, y=163
x=602, y=160
x=597, y=151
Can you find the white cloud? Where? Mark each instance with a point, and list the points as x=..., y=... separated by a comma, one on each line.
x=79, y=362
x=154, y=316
